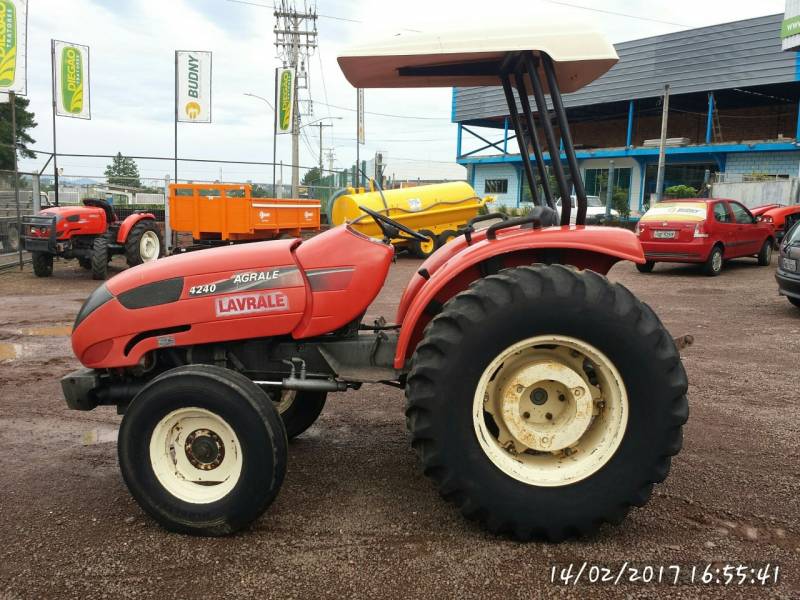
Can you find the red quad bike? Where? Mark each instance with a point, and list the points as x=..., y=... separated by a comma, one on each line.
x=542, y=399
x=93, y=234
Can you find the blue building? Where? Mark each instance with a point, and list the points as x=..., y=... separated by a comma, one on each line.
x=733, y=109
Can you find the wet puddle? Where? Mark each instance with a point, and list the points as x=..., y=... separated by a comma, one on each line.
x=9, y=351
x=56, y=331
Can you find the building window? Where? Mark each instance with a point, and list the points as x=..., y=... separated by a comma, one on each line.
x=596, y=181
x=495, y=186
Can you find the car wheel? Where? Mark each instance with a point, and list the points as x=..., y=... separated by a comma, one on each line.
x=765, y=254
x=646, y=267
x=713, y=266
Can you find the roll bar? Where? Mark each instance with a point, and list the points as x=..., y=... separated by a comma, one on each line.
x=518, y=65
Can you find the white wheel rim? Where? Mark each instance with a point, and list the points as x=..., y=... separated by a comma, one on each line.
x=149, y=246
x=539, y=438
x=769, y=252
x=196, y=455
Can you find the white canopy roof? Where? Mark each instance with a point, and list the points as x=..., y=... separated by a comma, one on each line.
x=580, y=56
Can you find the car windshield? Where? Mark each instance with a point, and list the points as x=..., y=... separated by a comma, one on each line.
x=793, y=237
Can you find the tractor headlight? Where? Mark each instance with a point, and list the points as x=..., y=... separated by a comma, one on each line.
x=98, y=297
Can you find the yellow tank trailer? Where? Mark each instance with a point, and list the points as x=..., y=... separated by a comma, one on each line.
x=437, y=211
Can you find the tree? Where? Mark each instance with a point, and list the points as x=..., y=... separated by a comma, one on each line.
x=25, y=122
x=311, y=177
x=123, y=171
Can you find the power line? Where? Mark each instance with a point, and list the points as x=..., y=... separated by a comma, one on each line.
x=616, y=14
x=273, y=7
x=386, y=114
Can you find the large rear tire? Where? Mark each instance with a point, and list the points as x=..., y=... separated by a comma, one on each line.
x=549, y=422
x=202, y=450
x=299, y=410
x=42, y=264
x=100, y=258
x=144, y=243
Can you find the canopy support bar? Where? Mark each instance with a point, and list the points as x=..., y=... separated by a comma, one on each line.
x=523, y=147
x=566, y=138
x=550, y=136
x=534, y=138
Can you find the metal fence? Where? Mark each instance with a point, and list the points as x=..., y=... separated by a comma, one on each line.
x=13, y=207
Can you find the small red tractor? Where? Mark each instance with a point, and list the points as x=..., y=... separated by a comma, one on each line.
x=93, y=234
x=542, y=399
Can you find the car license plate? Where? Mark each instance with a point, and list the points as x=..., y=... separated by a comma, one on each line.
x=663, y=235
x=789, y=264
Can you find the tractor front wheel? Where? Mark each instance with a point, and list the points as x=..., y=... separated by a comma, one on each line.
x=298, y=410
x=42, y=264
x=202, y=450
x=100, y=258
x=549, y=422
x=144, y=243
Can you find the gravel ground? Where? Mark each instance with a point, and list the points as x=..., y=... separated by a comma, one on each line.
x=356, y=518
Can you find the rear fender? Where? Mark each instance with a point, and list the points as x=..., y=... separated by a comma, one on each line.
x=594, y=248
x=131, y=220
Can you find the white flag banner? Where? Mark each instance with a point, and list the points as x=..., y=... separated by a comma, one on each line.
x=71, y=71
x=285, y=108
x=14, y=46
x=194, y=86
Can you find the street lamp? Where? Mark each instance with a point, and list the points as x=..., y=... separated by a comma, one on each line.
x=274, y=139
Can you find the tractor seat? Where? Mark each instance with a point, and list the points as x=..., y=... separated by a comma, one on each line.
x=111, y=215
x=547, y=216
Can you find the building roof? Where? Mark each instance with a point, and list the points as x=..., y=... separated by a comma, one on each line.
x=741, y=54
x=473, y=57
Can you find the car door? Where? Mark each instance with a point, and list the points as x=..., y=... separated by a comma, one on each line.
x=748, y=234
x=724, y=228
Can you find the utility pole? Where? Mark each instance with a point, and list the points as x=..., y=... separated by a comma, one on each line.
x=662, y=150
x=295, y=40
x=321, y=125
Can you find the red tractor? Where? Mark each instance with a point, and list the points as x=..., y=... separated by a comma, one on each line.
x=93, y=234
x=542, y=399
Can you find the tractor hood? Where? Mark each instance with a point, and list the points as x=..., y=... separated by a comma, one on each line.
x=236, y=258
x=77, y=212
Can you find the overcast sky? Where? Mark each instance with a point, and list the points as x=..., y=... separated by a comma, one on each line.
x=132, y=52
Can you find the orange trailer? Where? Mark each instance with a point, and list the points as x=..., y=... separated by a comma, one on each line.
x=229, y=212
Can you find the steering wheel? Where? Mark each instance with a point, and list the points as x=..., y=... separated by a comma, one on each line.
x=383, y=221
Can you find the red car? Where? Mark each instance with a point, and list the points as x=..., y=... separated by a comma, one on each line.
x=702, y=230
x=776, y=215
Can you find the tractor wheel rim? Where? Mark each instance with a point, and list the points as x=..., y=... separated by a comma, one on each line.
x=716, y=261
x=195, y=455
x=285, y=401
x=149, y=246
x=550, y=410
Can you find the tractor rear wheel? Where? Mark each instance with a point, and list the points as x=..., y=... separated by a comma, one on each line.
x=298, y=410
x=144, y=243
x=100, y=258
x=202, y=450
x=424, y=249
x=546, y=422
x=42, y=264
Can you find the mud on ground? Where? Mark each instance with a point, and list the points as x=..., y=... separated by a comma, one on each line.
x=356, y=518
